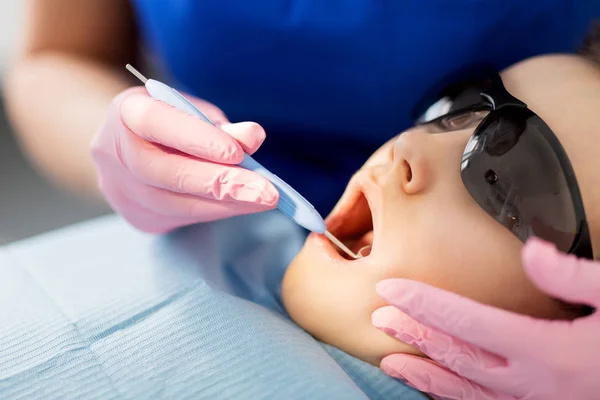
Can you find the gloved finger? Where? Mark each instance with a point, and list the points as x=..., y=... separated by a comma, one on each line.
x=144, y=217
x=190, y=208
x=468, y=320
x=120, y=98
x=212, y=112
x=249, y=135
x=562, y=275
x=456, y=355
x=146, y=220
x=160, y=123
x=155, y=210
x=427, y=376
x=180, y=173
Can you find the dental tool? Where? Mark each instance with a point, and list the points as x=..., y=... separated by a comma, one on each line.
x=364, y=251
x=291, y=203
x=341, y=245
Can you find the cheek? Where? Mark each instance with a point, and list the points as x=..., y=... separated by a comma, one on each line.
x=459, y=249
x=335, y=306
x=469, y=254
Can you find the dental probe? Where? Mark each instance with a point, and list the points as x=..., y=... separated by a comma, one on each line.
x=341, y=245
x=291, y=203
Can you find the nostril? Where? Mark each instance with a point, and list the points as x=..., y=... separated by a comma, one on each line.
x=408, y=171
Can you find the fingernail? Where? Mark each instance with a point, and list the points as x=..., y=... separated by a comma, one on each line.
x=387, y=330
x=384, y=316
x=134, y=108
x=406, y=338
x=269, y=196
x=538, y=253
x=268, y=193
x=399, y=335
x=251, y=192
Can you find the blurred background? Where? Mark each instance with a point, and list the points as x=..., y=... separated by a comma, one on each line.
x=29, y=205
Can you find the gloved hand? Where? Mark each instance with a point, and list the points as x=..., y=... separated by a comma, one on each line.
x=162, y=169
x=481, y=352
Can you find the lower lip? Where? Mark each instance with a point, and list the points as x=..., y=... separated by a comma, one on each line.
x=330, y=251
x=327, y=247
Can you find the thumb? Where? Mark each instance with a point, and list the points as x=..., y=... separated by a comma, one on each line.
x=250, y=135
x=562, y=275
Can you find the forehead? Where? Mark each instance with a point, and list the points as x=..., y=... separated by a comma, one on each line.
x=565, y=92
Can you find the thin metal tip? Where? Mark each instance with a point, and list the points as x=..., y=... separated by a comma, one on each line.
x=341, y=245
x=136, y=73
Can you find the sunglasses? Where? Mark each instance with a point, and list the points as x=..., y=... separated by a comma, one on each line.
x=513, y=164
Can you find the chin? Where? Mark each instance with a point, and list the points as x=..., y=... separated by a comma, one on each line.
x=331, y=295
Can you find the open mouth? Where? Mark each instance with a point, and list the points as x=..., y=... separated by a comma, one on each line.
x=352, y=224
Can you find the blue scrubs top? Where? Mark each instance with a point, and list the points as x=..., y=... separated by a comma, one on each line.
x=332, y=80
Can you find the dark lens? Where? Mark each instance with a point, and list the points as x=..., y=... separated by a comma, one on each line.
x=502, y=134
x=452, y=103
x=458, y=91
x=513, y=166
x=458, y=121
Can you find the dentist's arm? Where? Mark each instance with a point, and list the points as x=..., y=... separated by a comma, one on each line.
x=69, y=98
x=480, y=352
x=68, y=68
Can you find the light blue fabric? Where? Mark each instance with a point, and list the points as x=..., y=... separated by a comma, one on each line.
x=99, y=310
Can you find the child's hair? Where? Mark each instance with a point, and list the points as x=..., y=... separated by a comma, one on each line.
x=590, y=47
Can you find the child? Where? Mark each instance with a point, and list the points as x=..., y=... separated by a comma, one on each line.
x=416, y=204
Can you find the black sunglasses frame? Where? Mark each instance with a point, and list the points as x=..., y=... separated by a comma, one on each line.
x=494, y=97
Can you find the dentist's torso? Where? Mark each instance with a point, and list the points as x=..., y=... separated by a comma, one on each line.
x=332, y=80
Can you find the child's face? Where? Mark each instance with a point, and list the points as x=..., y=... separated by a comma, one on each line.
x=409, y=202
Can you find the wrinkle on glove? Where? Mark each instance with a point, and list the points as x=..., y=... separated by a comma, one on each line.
x=481, y=352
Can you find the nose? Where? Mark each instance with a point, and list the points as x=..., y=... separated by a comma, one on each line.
x=410, y=163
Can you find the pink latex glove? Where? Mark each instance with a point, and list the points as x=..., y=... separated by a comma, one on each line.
x=162, y=169
x=481, y=352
